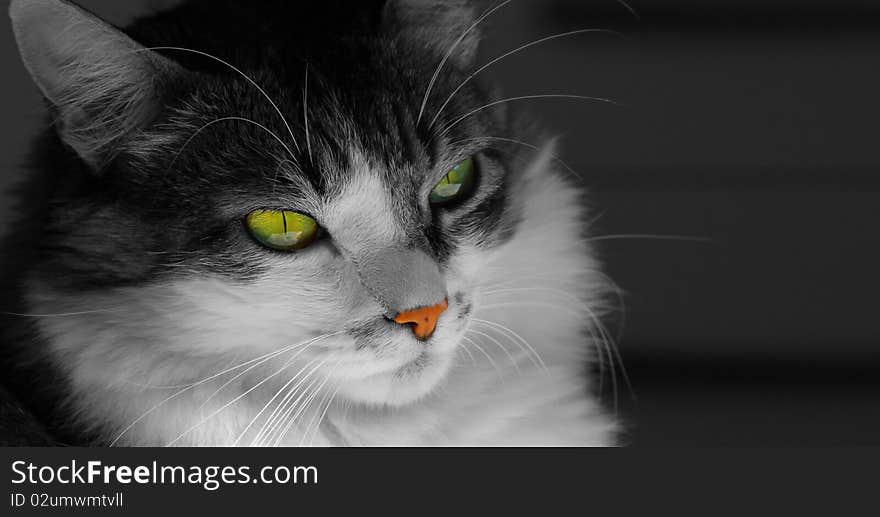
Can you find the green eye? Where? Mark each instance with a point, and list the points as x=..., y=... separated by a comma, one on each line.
x=456, y=185
x=282, y=230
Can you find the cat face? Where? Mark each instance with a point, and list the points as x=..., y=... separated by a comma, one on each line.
x=383, y=249
x=174, y=166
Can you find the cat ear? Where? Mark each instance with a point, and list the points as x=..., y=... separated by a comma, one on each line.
x=439, y=25
x=101, y=83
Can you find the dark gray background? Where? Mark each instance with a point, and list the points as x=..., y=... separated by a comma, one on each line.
x=751, y=124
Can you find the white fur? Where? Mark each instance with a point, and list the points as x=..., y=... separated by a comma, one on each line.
x=144, y=345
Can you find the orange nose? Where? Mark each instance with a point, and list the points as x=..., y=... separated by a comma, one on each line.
x=423, y=319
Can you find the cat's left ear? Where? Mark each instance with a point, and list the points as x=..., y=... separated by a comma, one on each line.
x=102, y=84
x=440, y=25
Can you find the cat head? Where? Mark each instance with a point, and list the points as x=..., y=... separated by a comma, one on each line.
x=308, y=182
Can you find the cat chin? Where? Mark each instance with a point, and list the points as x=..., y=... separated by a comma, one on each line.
x=403, y=386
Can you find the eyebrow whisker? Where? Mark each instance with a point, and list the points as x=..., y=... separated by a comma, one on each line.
x=452, y=48
x=306, y=113
x=508, y=54
x=524, y=97
x=245, y=76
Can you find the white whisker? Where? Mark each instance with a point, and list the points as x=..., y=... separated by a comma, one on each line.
x=306, y=113
x=226, y=119
x=449, y=53
x=486, y=355
x=287, y=406
x=266, y=406
x=629, y=8
x=508, y=54
x=274, y=433
x=231, y=402
x=603, y=340
x=683, y=238
x=521, y=98
x=527, y=145
x=502, y=347
x=328, y=395
x=305, y=347
x=310, y=392
x=324, y=413
x=278, y=170
x=605, y=343
x=276, y=416
x=56, y=315
x=465, y=349
x=245, y=76
x=601, y=346
x=516, y=337
x=550, y=290
x=188, y=387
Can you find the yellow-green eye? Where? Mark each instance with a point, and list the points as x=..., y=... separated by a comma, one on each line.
x=456, y=185
x=282, y=230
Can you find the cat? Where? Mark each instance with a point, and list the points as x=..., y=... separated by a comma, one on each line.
x=294, y=225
